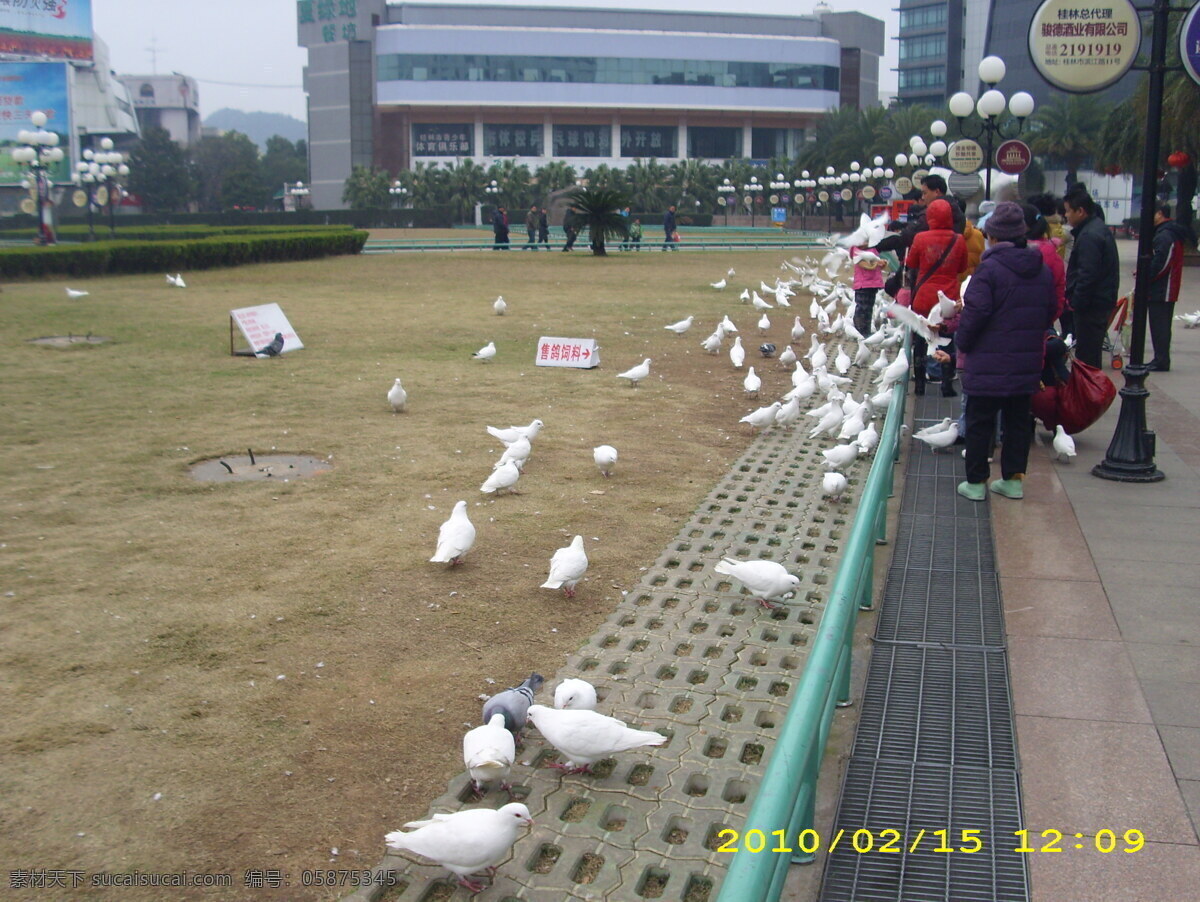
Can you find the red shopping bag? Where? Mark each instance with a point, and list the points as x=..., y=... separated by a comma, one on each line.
x=1084, y=398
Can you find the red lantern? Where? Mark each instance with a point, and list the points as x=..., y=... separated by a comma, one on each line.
x=1178, y=159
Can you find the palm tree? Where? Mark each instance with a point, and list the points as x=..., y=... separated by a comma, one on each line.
x=694, y=179
x=465, y=180
x=514, y=181
x=600, y=210
x=555, y=176
x=1065, y=130
x=427, y=183
x=604, y=176
x=646, y=181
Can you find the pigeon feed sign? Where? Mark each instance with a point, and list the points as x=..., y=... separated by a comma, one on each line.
x=259, y=327
x=581, y=353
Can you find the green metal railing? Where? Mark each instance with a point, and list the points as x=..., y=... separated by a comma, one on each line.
x=787, y=793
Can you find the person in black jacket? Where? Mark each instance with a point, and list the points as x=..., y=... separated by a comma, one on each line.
x=669, y=228
x=500, y=229
x=544, y=228
x=1166, y=267
x=1093, y=275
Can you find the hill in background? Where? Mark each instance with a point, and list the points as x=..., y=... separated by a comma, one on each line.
x=258, y=126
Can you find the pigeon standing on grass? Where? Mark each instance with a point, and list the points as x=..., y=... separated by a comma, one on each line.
x=455, y=537
x=397, y=397
x=72, y=293
x=737, y=354
x=513, y=704
x=605, y=457
x=512, y=433
x=752, y=383
x=575, y=694
x=176, y=280
x=719, y=285
x=274, y=349
x=500, y=306
x=487, y=352
x=766, y=580
x=585, y=737
x=567, y=566
x=682, y=326
x=466, y=841
x=488, y=753
x=637, y=373
x=504, y=477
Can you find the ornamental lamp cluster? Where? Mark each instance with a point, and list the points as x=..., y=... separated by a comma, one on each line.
x=990, y=106
x=103, y=168
x=39, y=150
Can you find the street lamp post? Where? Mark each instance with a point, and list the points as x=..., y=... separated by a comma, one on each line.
x=753, y=189
x=726, y=190
x=38, y=150
x=112, y=169
x=990, y=107
x=296, y=192
x=780, y=185
x=85, y=174
x=398, y=192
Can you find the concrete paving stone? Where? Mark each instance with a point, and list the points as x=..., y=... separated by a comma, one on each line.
x=1092, y=679
x=676, y=830
x=1173, y=703
x=776, y=661
x=1160, y=871
x=1191, y=798
x=1155, y=661
x=1183, y=750
x=1154, y=612
x=1065, y=608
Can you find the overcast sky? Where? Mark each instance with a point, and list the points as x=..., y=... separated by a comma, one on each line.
x=244, y=52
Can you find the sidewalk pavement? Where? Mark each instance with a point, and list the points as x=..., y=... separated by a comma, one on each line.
x=1101, y=589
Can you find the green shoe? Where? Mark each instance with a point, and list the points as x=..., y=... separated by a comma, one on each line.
x=1009, y=488
x=972, y=490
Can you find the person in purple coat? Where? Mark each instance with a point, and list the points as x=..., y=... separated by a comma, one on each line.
x=1007, y=308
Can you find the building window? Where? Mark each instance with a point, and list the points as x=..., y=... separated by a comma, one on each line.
x=923, y=17
x=512, y=140
x=582, y=141
x=605, y=70
x=930, y=45
x=146, y=91
x=429, y=140
x=930, y=77
x=714, y=142
x=648, y=140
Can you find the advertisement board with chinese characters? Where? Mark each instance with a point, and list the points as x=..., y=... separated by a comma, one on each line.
x=1080, y=46
x=442, y=140
x=581, y=353
x=260, y=324
x=331, y=21
x=648, y=140
x=582, y=141
x=512, y=140
x=60, y=30
x=24, y=89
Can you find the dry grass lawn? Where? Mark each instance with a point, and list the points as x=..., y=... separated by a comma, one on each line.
x=278, y=659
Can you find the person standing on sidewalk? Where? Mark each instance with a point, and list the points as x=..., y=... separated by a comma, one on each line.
x=1167, y=268
x=1007, y=308
x=500, y=229
x=1093, y=275
x=669, y=228
x=544, y=227
x=531, y=226
x=937, y=256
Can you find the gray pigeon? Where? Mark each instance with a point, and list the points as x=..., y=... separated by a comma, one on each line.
x=513, y=704
x=274, y=348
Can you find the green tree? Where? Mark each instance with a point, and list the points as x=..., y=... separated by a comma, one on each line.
x=465, y=180
x=159, y=173
x=555, y=176
x=1065, y=130
x=695, y=182
x=599, y=209
x=426, y=182
x=515, y=183
x=367, y=189
x=647, y=183
x=604, y=176
x=231, y=157
x=283, y=162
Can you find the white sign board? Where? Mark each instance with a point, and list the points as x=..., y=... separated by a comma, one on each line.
x=1080, y=46
x=965, y=156
x=260, y=324
x=581, y=353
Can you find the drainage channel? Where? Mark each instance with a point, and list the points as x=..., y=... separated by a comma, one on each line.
x=931, y=800
x=686, y=654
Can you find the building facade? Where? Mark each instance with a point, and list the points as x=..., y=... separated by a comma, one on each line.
x=170, y=102
x=393, y=85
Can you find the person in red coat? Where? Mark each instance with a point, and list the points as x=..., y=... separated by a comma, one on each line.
x=934, y=261
x=1167, y=268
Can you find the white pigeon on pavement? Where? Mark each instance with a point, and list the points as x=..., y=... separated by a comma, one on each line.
x=737, y=354
x=789, y=413
x=819, y=357
x=500, y=306
x=584, y=737
x=504, y=477
x=637, y=373
x=487, y=352
x=466, y=841
x=575, y=695
x=936, y=427
x=867, y=439
x=763, y=417
x=752, y=383
x=830, y=421
x=766, y=580
x=728, y=326
x=512, y=433
x=567, y=566
x=731, y=272
x=397, y=397
x=682, y=326
x=605, y=457
x=1189, y=320
x=881, y=400
x=1064, y=445
x=834, y=483
x=719, y=285
x=488, y=753
x=853, y=424
x=455, y=537
x=840, y=456
x=939, y=440
x=841, y=362
x=72, y=293
x=894, y=371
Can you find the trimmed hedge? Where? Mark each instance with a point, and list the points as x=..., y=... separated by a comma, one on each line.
x=164, y=232
x=399, y=218
x=103, y=257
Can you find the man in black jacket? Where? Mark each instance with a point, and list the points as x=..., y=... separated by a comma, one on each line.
x=1093, y=275
x=1166, y=267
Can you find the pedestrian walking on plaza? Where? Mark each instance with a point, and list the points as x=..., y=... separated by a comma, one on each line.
x=1093, y=275
x=531, y=227
x=1167, y=268
x=937, y=256
x=500, y=229
x=669, y=228
x=544, y=228
x=571, y=228
x=1007, y=308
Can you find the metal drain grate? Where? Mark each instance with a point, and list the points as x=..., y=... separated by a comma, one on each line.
x=948, y=607
x=937, y=706
x=943, y=543
x=909, y=798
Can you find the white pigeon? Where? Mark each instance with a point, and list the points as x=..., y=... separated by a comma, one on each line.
x=906, y=316
x=819, y=358
x=830, y=421
x=731, y=272
x=841, y=362
x=759, y=303
x=863, y=354
x=72, y=293
x=880, y=363
x=745, y=295
x=712, y=344
x=512, y=433
x=682, y=326
x=605, y=457
x=727, y=325
x=500, y=306
x=575, y=695
x=488, y=753
x=782, y=293
x=766, y=580
x=1064, y=445
x=719, y=285
x=894, y=371
x=466, y=841
x=763, y=417
x=764, y=324
x=637, y=373
x=765, y=288
x=737, y=354
x=869, y=232
x=854, y=423
x=504, y=477
x=585, y=737
x=849, y=329
x=567, y=566
x=752, y=383
x=789, y=413
x=867, y=439
x=1189, y=320
x=487, y=352
x=176, y=280
x=397, y=397
x=787, y=357
x=880, y=401
x=455, y=537
x=939, y=440
x=797, y=329
x=518, y=452
x=834, y=483
x=840, y=456
x=936, y=427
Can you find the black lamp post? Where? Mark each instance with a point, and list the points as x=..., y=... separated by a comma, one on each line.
x=726, y=191
x=753, y=189
x=111, y=169
x=990, y=107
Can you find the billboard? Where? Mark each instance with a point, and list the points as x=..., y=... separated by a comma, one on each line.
x=49, y=29
x=25, y=88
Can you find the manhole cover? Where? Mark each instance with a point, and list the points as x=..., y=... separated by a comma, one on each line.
x=69, y=341
x=249, y=467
